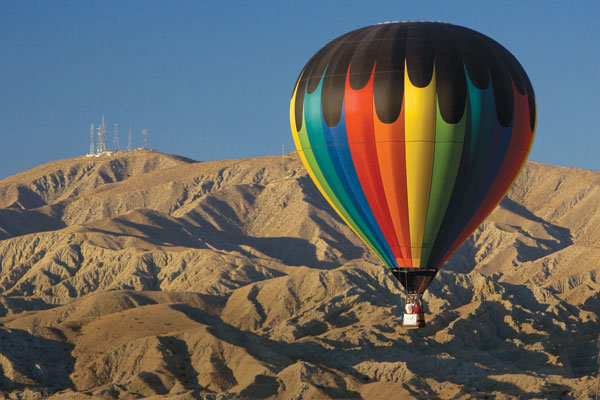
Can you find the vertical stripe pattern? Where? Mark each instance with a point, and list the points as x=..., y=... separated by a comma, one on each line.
x=413, y=132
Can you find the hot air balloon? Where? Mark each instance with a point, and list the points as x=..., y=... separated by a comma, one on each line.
x=413, y=132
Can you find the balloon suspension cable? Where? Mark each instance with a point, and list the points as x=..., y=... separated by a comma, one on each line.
x=414, y=280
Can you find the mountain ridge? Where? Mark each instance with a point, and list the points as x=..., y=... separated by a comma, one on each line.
x=153, y=275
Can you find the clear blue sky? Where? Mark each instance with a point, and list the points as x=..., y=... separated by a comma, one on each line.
x=212, y=79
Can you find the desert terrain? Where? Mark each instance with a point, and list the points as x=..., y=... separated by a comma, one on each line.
x=148, y=275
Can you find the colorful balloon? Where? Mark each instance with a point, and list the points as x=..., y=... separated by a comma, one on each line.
x=413, y=132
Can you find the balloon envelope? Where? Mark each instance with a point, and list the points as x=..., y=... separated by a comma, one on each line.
x=413, y=132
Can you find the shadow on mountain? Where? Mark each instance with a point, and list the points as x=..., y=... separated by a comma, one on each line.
x=16, y=222
x=27, y=199
x=481, y=347
x=194, y=231
x=476, y=367
x=579, y=351
x=313, y=197
x=464, y=259
x=46, y=362
x=177, y=361
x=17, y=304
x=563, y=235
x=291, y=251
x=340, y=242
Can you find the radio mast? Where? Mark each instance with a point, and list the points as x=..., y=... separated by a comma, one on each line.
x=129, y=142
x=92, y=138
x=116, y=139
x=145, y=135
x=101, y=147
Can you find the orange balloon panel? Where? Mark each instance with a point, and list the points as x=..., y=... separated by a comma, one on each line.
x=413, y=131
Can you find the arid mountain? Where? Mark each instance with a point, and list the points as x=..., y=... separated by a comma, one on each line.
x=150, y=275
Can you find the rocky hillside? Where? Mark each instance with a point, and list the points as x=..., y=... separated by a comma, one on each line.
x=150, y=275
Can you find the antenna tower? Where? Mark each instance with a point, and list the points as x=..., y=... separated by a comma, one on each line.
x=116, y=140
x=101, y=147
x=99, y=142
x=103, y=134
x=145, y=134
x=92, y=138
x=129, y=142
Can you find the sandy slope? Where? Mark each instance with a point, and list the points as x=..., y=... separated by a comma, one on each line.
x=146, y=274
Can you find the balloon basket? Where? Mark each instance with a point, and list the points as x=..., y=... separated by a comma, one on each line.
x=413, y=321
x=413, y=316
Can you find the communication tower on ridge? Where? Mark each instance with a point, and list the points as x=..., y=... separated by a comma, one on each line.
x=98, y=146
x=145, y=135
x=116, y=139
x=92, y=138
x=99, y=140
x=101, y=147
